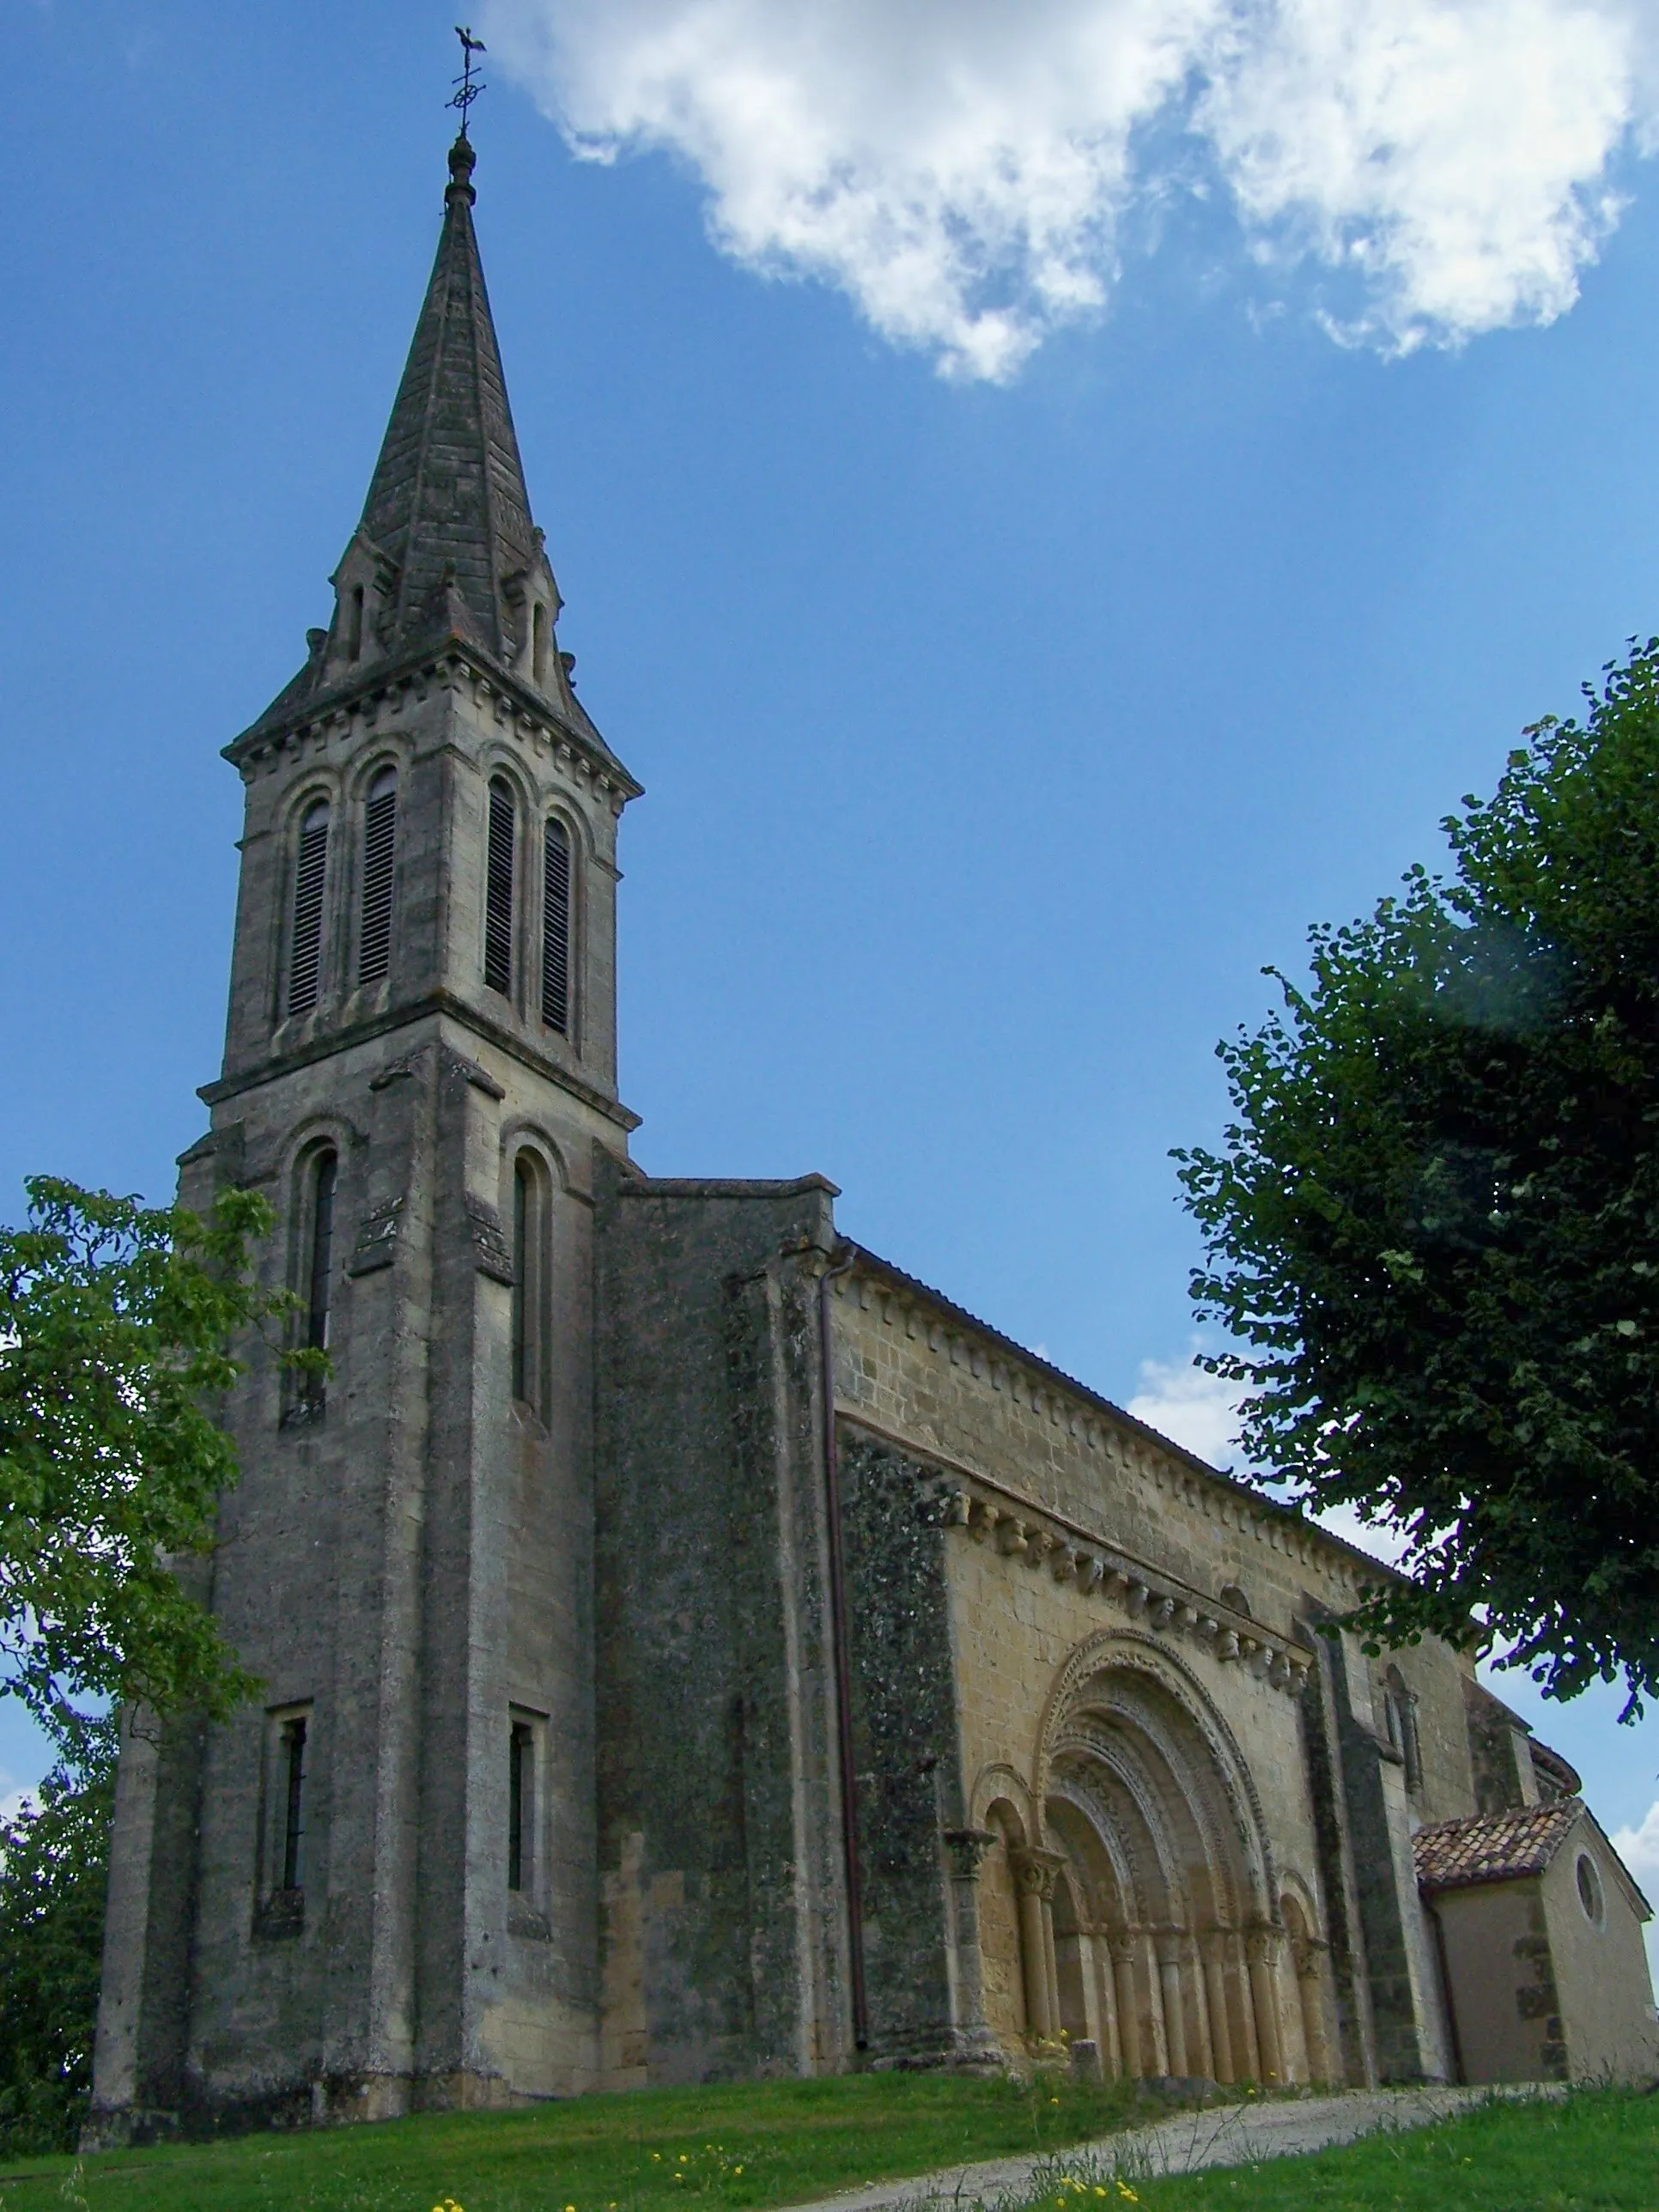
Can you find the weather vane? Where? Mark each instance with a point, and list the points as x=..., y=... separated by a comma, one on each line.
x=468, y=91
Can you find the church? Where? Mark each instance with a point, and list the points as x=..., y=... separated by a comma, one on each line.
x=691, y=1647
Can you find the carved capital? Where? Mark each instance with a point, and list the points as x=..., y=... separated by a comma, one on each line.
x=1307, y=1954
x=1261, y=1946
x=1035, y=1869
x=967, y=1847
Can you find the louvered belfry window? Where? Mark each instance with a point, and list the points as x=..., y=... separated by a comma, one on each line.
x=379, y=850
x=556, y=928
x=498, y=890
x=310, y=880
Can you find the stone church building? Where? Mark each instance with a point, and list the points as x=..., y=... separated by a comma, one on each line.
x=691, y=1647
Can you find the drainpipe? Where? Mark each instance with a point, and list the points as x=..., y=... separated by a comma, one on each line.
x=1460, y=2072
x=838, y=1637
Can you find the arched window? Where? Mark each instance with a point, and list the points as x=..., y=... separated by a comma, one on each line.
x=1401, y=1711
x=310, y=881
x=318, y=1178
x=538, y=627
x=379, y=850
x=530, y=1282
x=355, y=623
x=498, y=888
x=555, y=928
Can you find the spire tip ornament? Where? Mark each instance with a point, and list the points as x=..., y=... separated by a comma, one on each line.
x=466, y=90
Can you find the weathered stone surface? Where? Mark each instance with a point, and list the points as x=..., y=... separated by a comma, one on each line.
x=691, y=1647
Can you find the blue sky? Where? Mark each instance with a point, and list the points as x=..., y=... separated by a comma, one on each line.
x=1015, y=662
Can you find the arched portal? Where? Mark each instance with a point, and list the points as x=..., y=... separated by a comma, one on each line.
x=1163, y=1928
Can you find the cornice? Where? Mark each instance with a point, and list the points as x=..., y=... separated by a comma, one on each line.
x=438, y=1002
x=1095, y=1418
x=1149, y=1597
x=387, y=689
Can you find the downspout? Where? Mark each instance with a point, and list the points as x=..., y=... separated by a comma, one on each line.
x=838, y=1637
x=1460, y=2072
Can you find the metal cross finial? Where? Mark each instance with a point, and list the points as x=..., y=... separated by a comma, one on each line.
x=468, y=91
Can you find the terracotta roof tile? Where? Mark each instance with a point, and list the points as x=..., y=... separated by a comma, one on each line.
x=1493, y=1846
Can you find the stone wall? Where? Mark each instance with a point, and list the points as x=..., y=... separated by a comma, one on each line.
x=719, y=1817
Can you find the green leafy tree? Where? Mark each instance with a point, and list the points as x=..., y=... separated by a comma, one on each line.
x=54, y=1864
x=1433, y=1228
x=116, y=1326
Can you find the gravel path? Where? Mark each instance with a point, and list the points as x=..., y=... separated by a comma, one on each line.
x=1227, y=2135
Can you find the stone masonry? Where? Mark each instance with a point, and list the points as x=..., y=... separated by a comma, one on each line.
x=691, y=1647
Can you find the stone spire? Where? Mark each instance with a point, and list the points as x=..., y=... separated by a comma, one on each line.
x=447, y=512
x=445, y=548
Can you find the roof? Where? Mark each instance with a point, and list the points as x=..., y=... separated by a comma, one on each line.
x=448, y=502
x=446, y=529
x=1494, y=1846
x=1274, y=1506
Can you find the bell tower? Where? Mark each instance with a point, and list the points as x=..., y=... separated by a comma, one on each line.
x=377, y=1889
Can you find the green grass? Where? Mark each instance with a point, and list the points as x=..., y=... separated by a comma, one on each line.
x=1598, y=2151
x=749, y=2146
x=791, y=2140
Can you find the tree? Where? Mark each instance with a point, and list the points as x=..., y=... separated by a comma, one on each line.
x=116, y=1325
x=54, y=1864
x=1432, y=1230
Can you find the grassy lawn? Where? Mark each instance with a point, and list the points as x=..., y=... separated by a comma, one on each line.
x=748, y=2145
x=1598, y=2152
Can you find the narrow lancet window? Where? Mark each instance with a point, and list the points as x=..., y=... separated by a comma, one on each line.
x=380, y=851
x=320, y=1251
x=556, y=928
x=355, y=623
x=531, y=1228
x=520, y=1804
x=292, y=1784
x=498, y=890
x=525, y=1275
x=310, y=881
x=538, y=629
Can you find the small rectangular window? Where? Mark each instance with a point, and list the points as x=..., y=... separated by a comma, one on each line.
x=521, y=1806
x=283, y=1847
x=292, y=1769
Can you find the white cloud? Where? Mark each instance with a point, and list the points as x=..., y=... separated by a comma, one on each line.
x=1639, y=1849
x=1193, y=1407
x=1190, y=1407
x=963, y=168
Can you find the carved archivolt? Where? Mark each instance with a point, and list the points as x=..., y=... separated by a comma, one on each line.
x=1139, y=1688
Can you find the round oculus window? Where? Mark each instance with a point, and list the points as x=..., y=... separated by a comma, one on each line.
x=1590, y=1888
